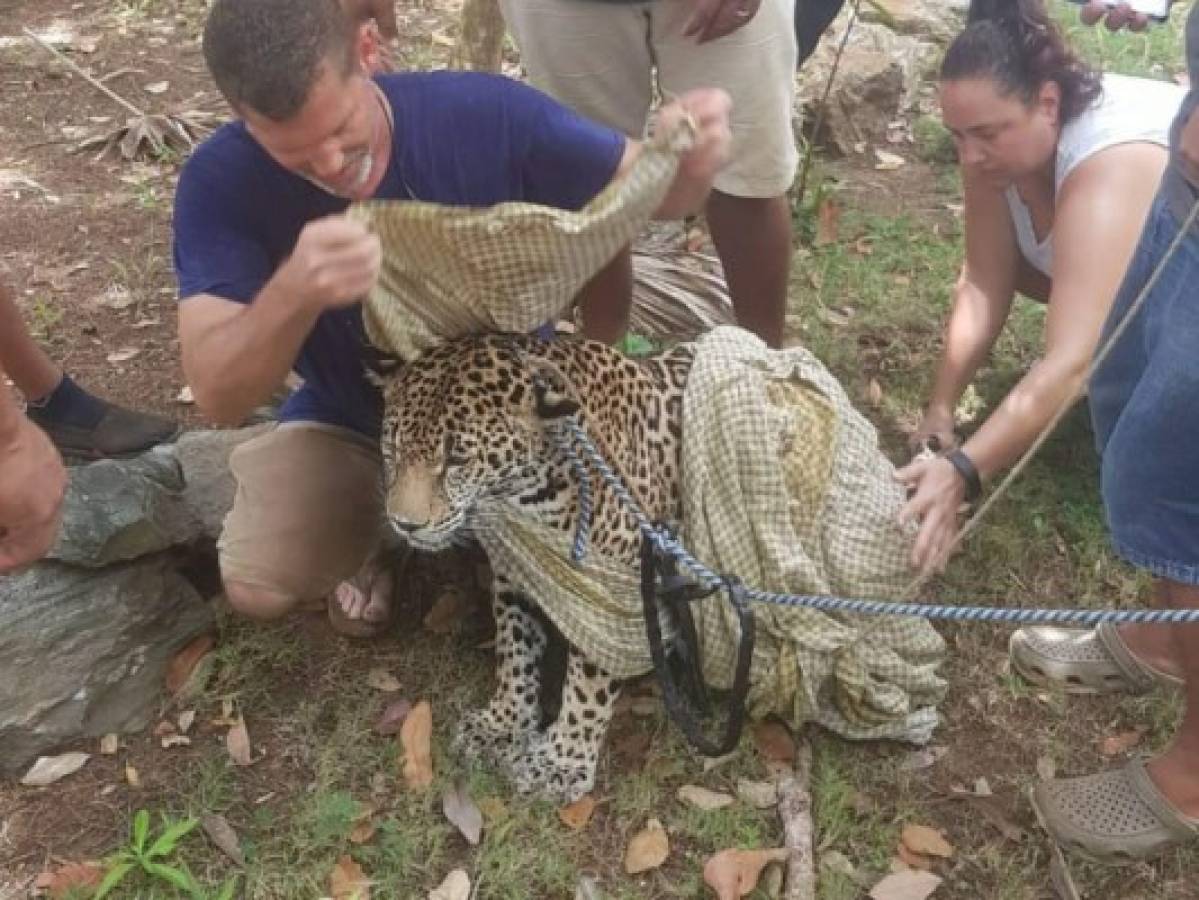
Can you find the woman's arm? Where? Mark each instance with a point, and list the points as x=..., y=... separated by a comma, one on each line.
x=1101, y=209
x=982, y=299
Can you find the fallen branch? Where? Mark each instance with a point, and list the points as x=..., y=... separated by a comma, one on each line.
x=795, y=808
x=78, y=70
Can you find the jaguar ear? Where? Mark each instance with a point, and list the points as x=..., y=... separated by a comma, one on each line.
x=551, y=401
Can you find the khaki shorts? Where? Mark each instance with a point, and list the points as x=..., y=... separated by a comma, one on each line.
x=308, y=510
x=599, y=58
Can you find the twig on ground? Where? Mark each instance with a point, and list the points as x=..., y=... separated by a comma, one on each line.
x=795, y=808
x=74, y=67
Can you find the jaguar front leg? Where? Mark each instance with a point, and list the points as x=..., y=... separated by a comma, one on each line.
x=560, y=762
x=497, y=733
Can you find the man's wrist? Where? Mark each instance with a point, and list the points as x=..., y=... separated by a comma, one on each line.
x=967, y=471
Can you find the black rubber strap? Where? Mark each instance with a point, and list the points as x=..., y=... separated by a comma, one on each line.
x=965, y=467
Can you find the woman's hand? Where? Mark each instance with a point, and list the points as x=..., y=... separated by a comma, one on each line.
x=1115, y=17
x=934, y=432
x=936, y=492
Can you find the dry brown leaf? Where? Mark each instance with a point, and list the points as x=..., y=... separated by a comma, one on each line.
x=758, y=794
x=874, y=393
x=221, y=833
x=185, y=720
x=648, y=849
x=575, y=816
x=447, y=612
x=163, y=728
x=156, y=87
x=132, y=777
x=363, y=832
x=926, y=841
x=415, y=735
x=463, y=813
x=72, y=879
x=49, y=769
x=382, y=680
x=237, y=742
x=123, y=355
x=185, y=396
x=175, y=740
x=348, y=882
x=909, y=885
x=393, y=716
x=733, y=874
x=109, y=744
x=702, y=798
x=181, y=666
x=456, y=886
x=774, y=742
x=913, y=860
x=888, y=162
x=1115, y=744
x=828, y=220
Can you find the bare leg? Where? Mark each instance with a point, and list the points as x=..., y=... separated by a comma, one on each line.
x=1176, y=771
x=31, y=370
x=753, y=237
x=606, y=299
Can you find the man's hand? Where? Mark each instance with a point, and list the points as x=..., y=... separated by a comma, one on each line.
x=1115, y=17
x=32, y=482
x=708, y=109
x=714, y=19
x=335, y=264
x=382, y=12
x=935, y=424
x=937, y=492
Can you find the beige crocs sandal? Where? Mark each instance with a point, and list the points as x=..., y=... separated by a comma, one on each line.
x=1116, y=817
x=1083, y=661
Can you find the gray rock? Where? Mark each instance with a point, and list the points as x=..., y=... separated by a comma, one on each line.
x=118, y=510
x=83, y=652
x=940, y=20
x=877, y=81
x=208, y=484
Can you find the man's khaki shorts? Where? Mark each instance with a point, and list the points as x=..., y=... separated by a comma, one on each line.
x=599, y=58
x=308, y=510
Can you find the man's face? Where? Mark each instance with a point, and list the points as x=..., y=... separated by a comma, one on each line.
x=339, y=140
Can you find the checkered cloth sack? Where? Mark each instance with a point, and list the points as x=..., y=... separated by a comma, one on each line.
x=784, y=485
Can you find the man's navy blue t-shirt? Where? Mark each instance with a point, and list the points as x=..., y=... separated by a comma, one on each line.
x=460, y=138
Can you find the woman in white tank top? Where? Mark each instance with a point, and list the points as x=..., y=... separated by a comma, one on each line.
x=1060, y=167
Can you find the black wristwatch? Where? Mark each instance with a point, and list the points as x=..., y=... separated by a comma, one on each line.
x=965, y=467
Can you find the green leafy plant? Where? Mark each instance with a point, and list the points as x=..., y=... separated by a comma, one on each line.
x=150, y=857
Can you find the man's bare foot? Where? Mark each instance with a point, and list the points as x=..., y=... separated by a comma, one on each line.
x=362, y=606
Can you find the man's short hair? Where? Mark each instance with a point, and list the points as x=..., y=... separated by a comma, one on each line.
x=265, y=55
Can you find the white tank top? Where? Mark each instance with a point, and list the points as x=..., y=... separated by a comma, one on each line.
x=1131, y=110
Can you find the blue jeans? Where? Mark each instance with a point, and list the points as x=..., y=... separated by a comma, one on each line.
x=1144, y=400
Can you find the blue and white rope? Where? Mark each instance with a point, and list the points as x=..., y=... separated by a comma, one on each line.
x=571, y=439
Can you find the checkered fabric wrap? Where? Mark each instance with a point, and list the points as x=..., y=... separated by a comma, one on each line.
x=786, y=487
x=452, y=271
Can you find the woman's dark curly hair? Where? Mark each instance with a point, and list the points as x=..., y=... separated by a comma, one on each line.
x=1015, y=44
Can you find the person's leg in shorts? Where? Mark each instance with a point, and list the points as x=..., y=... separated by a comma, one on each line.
x=748, y=211
x=306, y=526
x=1143, y=400
x=599, y=59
